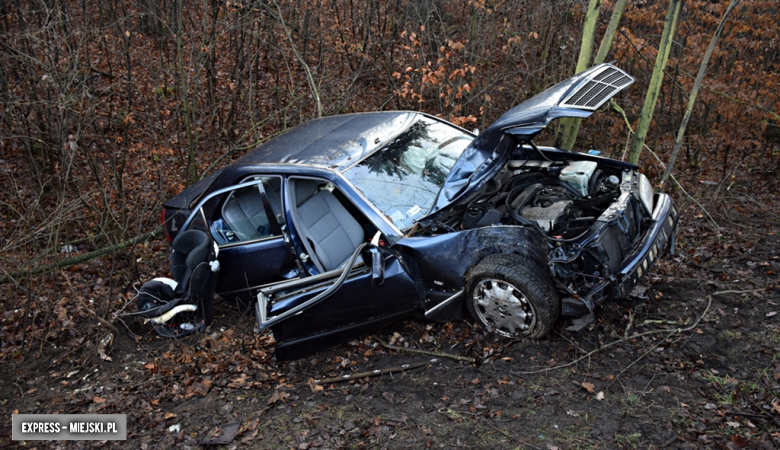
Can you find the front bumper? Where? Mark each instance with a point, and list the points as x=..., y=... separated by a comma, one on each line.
x=661, y=233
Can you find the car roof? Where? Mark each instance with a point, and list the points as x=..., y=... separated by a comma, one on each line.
x=333, y=142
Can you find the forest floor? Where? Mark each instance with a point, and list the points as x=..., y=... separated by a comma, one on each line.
x=692, y=362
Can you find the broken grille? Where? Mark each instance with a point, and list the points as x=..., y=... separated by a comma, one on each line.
x=603, y=86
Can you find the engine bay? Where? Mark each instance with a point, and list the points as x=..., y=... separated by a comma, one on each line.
x=562, y=199
x=588, y=212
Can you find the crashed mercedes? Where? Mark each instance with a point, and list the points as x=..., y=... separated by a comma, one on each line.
x=346, y=223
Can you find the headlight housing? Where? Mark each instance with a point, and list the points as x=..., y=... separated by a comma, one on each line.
x=646, y=193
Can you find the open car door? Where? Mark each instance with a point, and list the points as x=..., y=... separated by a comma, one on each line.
x=319, y=311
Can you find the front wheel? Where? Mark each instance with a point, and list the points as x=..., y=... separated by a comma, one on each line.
x=512, y=297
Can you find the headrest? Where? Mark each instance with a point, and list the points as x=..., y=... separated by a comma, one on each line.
x=305, y=189
x=191, y=247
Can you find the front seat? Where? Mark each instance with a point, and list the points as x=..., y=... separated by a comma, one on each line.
x=325, y=226
x=183, y=305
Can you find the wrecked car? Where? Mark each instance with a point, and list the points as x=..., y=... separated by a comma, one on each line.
x=346, y=223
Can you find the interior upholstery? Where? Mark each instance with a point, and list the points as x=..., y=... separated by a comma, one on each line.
x=245, y=214
x=273, y=190
x=189, y=249
x=304, y=189
x=332, y=232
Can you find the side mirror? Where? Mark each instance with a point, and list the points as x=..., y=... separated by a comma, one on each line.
x=377, y=267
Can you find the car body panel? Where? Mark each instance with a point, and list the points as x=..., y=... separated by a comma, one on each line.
x=247, y=266
x=446, y=258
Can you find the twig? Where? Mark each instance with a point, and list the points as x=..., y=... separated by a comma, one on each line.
x=371, y=373
x=604, y=347
x=640, y=357
x=617, y=108
x=749, y=291
x=102, y=321
x=425, y=352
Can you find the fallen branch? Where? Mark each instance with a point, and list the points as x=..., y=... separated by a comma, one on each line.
x=425, y=352
x=604, y=347
x=46, y=268
x=370, y=373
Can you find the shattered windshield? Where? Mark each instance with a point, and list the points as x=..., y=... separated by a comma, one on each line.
x=403, y=178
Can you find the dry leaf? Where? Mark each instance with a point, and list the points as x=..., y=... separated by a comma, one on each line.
x=168, y=415
x=588, y=386
x=600, y=396
x=770, y=314
x=278, y=395
x=314, y=386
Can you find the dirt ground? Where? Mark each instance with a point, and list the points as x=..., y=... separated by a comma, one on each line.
x=692, y=362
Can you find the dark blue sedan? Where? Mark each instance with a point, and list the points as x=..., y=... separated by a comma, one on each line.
x=345, y=223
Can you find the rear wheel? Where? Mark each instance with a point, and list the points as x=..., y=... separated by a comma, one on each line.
x=512, y=296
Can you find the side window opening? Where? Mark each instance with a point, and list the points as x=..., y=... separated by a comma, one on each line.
x=243, y=216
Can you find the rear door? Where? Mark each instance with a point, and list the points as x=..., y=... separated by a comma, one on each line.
x=247, y=223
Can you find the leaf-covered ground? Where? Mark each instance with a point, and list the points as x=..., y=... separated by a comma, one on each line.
x=690, y=363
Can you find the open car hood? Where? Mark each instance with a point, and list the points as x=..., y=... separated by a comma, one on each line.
x=579, y=96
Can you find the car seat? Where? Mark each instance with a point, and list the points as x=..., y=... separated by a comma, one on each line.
x=329, y=232
x=183, y=305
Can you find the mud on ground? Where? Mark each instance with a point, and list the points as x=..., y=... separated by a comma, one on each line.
x=690, y=363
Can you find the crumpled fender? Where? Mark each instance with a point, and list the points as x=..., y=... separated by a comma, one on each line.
x=447, y=258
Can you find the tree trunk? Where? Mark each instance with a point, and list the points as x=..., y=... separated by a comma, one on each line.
x=695, y=91
x=567, y=132
x=656, y=81
x=606, y=41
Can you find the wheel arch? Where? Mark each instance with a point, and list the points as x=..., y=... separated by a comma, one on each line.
x=444, y=261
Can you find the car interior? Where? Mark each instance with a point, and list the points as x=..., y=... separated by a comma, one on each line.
x=244, y=214
x=330, y=225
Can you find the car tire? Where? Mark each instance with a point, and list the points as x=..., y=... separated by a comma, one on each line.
x=512, y=297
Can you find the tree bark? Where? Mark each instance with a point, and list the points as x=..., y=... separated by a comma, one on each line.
x=606, y=41
x=678, y=140
x=656, y=80
x=569, y=127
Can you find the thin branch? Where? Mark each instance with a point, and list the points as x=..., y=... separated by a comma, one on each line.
x=619, y=341
x=40, y=270
x=678, y=140
x=425, y=352
x=371, y=373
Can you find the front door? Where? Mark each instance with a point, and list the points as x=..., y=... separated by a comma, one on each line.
x=374, y=294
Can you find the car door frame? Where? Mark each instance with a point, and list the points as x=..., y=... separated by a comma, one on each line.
x=279, y=243
x=301, y=326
